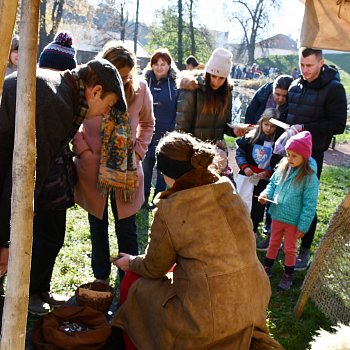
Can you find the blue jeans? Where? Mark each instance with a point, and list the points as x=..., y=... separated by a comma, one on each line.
x=148, y=165
x=126, y=235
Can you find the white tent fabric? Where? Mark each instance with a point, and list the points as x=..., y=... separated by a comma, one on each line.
x=326, y=25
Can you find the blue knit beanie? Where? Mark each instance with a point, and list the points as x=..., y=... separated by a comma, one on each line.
x=59, y=54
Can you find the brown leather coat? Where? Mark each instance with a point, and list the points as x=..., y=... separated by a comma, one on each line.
x=219, y=292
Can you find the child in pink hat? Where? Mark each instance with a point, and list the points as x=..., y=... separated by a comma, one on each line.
x=293, y=188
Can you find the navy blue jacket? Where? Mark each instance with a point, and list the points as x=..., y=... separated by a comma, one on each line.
x=165, y=94
x=258, y=104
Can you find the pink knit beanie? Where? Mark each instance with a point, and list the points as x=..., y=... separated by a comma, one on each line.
x=301, y=143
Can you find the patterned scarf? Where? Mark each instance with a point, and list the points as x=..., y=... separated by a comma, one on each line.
x=117, y=172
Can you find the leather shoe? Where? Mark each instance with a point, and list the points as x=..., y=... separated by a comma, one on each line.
x=37, y=306
x=54, y=300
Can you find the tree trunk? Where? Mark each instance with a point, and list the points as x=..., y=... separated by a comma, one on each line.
x=193, y=41
x=46, y=35
x=121, y=22
x=179, y=36
x=136, y=33
x=8, y=11
x=16, y=300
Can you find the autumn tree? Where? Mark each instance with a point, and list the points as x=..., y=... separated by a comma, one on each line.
x=179, y=33
x=191, y=26
x=164, y=33
x=52, y=12
x=136, y=30
x=50, y=16
x=253, y=17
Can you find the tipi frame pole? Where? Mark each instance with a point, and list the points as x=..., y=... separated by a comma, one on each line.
x=16, y=300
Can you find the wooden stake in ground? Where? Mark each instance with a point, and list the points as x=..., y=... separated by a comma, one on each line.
x=16, y=300
x=318, y=262
x=8, y=11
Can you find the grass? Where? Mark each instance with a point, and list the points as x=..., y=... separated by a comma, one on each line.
x=73, y=264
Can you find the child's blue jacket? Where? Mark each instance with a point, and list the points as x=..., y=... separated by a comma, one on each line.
x=296, y=201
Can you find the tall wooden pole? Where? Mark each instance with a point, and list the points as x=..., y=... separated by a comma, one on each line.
x=8, y=11
x=16, y=300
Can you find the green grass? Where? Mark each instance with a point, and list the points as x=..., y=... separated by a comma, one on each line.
x=73, y=264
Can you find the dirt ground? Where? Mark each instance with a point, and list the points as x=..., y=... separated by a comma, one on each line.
x=339, y=156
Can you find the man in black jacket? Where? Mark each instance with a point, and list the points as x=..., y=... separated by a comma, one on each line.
x=63, y=100
x=316, y=103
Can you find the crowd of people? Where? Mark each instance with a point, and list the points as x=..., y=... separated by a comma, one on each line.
x=199, y=284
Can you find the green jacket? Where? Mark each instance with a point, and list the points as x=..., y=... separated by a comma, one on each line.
x=207, y=127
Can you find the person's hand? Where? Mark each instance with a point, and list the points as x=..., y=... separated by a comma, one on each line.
x=300, y=234
x=261, y=198
x=262, y=175
x=298, y=127
x=239, y=132
x=137, y=157
x=4, y=258
x=123, y=261
x=85, y=154
x=248, y=171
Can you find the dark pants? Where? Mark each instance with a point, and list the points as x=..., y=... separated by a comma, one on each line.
x=148, y=164
x=308, y=238
x=257, y=211
x=268, y=219
x=48, y=236
x=126, y=235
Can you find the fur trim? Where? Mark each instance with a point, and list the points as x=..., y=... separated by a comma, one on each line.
x=173, y=74
x=188, y=79
x=191, y=179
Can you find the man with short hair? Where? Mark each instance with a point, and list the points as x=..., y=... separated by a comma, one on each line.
x=316, y=103
x=63, y=100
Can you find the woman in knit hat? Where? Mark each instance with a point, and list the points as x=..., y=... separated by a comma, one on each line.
x=293, y=188
x=218, y=294
x=13, y=56
x=204, y=106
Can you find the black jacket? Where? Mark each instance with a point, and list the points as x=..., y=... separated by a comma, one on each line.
x=56, y=109
x=320, y=106
x=258, y=104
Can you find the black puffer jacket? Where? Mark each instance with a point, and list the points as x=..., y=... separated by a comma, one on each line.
x=320, y=106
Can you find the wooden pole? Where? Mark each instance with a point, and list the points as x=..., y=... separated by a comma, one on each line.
x=24, y=154
x=8, y=11
x=312, y=274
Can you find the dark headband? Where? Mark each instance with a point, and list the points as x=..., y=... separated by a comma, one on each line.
x=171, y=167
